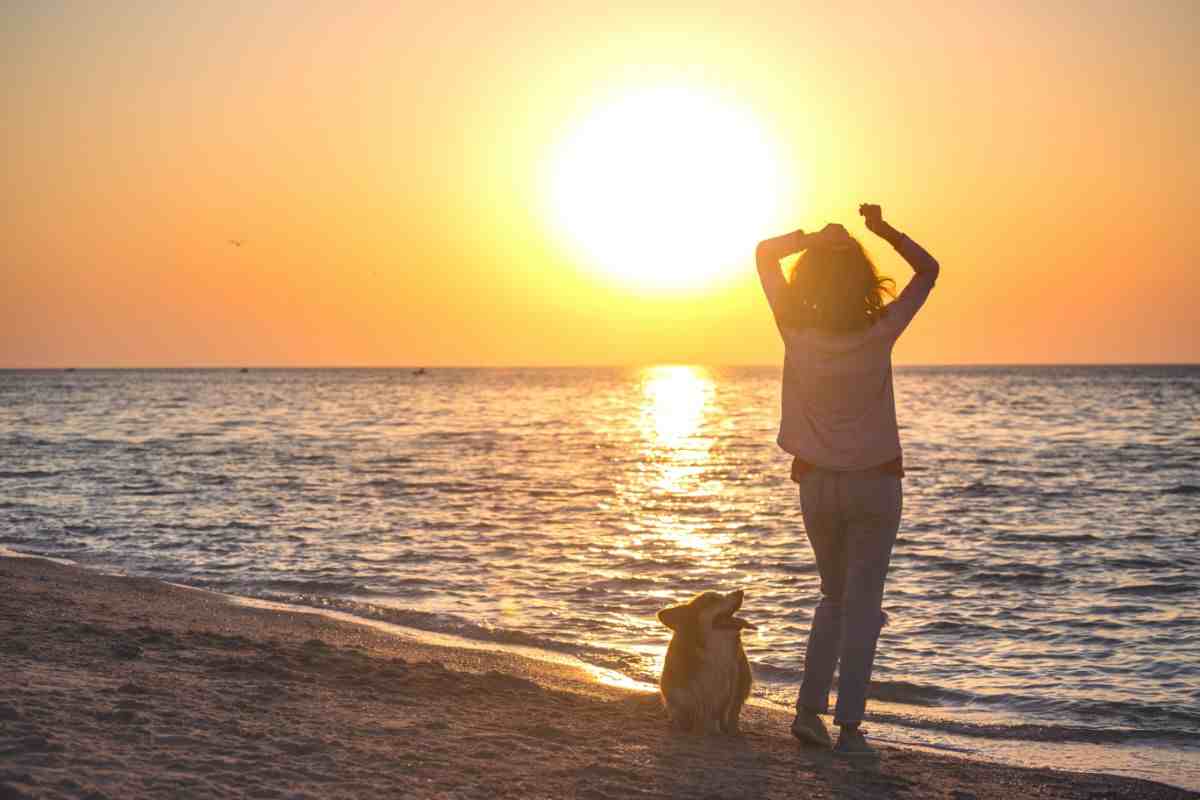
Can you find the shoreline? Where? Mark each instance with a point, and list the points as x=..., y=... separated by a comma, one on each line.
x=132, y=687
x=911, y=726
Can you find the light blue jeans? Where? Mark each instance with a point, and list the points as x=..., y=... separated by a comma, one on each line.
x=852, y=519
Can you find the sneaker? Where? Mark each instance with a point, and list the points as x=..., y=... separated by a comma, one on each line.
x=853, y=744
x=808, y=728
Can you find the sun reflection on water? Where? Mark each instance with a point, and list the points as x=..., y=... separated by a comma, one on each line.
x=676, y=440
x=676, y=399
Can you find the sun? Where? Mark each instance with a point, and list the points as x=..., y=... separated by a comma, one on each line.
x=665, y=188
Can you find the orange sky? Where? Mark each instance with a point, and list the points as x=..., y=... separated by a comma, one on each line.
x=387, y=167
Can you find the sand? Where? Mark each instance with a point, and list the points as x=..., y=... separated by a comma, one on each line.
x=119, y=687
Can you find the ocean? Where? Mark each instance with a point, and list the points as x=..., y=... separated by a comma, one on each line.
x=1043, y=591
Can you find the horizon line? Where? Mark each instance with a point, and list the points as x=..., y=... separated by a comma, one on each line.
x=629, y=365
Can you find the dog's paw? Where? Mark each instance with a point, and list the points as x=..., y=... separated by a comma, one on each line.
x=679, y=720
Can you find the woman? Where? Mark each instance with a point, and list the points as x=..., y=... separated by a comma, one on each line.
x=839, y=423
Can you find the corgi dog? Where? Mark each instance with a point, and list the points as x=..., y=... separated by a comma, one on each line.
x=706, y=675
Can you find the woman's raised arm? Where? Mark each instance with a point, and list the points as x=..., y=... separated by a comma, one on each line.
x=767, y=256
x=905, y=307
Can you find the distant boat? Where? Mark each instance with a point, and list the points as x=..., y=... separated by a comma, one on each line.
x=420, y=371
x=70, y=369
x=244, y=369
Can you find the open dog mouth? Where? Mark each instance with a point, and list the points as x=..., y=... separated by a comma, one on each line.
x=728, y=620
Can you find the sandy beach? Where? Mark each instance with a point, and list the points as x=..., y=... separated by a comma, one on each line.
x=122, y=687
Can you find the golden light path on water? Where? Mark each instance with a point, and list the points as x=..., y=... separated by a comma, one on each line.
x=675, y=434
x=676, y=450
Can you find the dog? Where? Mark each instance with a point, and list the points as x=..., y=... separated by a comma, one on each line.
x=706, y=675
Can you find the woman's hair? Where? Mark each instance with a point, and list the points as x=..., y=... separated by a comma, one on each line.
x=837, y=289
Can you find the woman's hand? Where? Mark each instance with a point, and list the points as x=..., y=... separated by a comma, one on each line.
x=769, y=251
x=873, y=216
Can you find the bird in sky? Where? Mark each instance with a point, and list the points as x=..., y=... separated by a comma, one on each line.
x=237, y=242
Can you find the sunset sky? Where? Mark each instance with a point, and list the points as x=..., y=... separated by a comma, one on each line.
x=513, y=184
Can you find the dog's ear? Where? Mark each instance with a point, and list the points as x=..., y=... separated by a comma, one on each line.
x=674, y=617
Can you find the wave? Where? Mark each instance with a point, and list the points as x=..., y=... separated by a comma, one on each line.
x=24, y=440
x=398, y=486
x=309, y=594
x=306, y=458
x=152, y=490
x=942, y=626
x=84, y=529
x=899, y=692
x=1027, y=577
x=981, y=489
x=315, y=587
x=1122, y=720
x=1034, y=732
x=236, y=525
x=28, y=474
x=1152, y=589
x=386, y=461
x=1137, y=562
x=938, y=706
x=1051, y=538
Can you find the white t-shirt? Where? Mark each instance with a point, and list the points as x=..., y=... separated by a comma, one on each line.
x=839, y=409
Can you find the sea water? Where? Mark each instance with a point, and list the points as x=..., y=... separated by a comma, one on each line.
x=1043, y=591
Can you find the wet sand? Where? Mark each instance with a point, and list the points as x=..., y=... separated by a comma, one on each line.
x=126, y=688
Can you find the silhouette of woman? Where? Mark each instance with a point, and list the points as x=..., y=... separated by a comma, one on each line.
x=839, y=423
